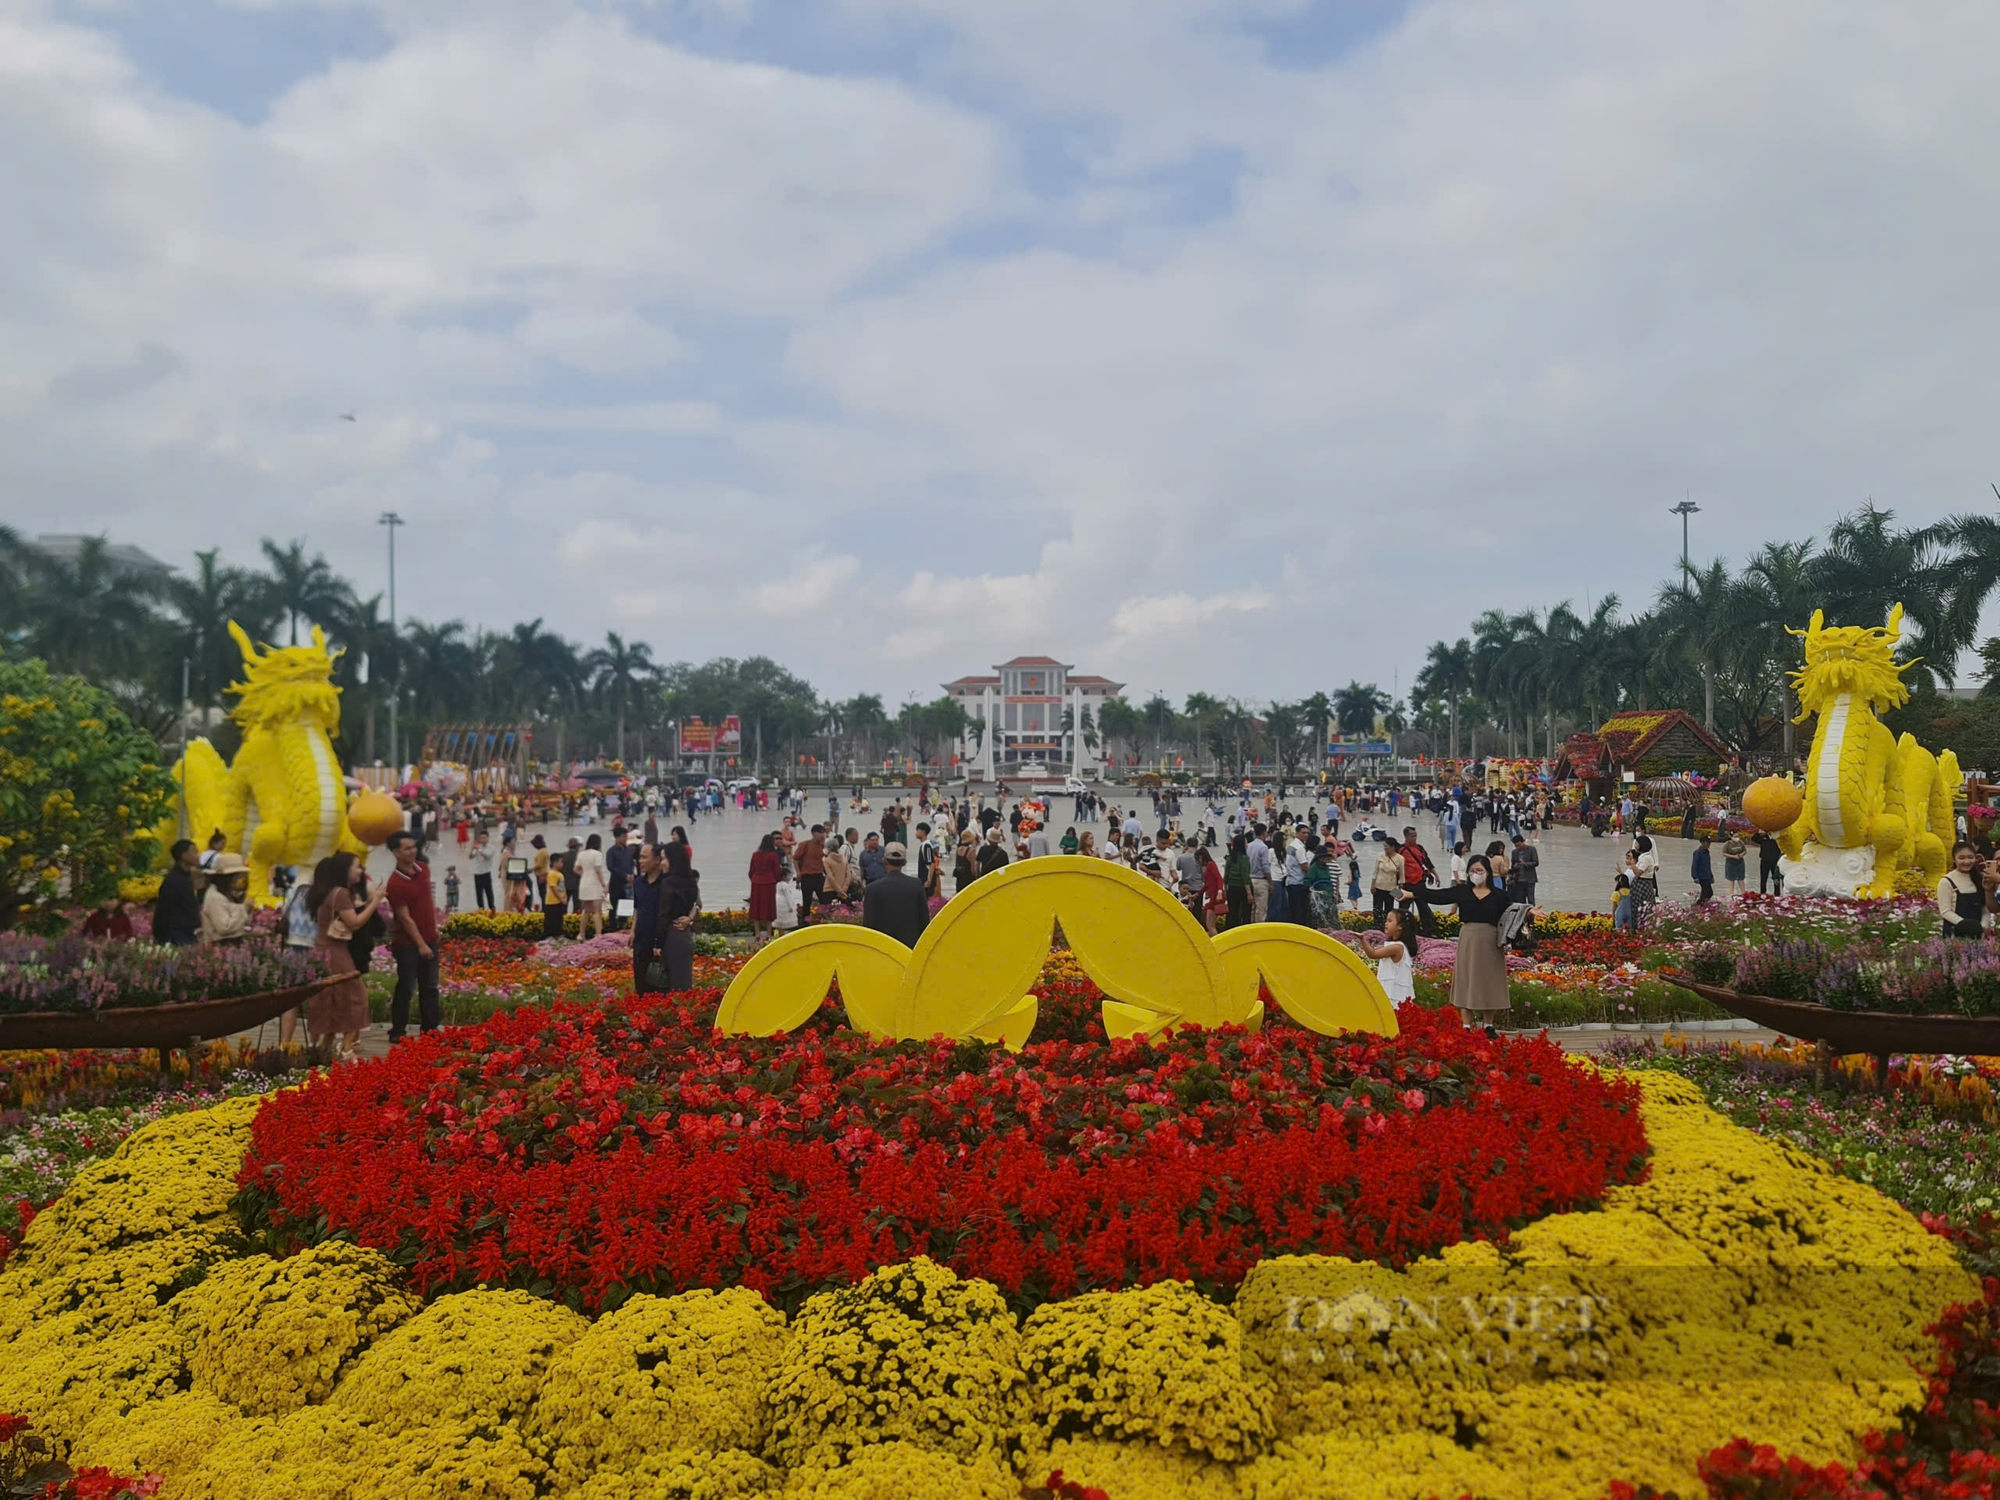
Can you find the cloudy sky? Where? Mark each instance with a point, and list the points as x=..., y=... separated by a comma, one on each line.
x=1247, y=345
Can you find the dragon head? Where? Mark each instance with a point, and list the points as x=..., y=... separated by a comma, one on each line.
x=283, y=684
x=1857, y=659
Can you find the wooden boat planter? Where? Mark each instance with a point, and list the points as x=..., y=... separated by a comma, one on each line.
x=1876, y=1032
x=162, y=1026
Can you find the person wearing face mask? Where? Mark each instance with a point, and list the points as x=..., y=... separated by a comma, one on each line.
x=1479, y=973
x=1963, y=898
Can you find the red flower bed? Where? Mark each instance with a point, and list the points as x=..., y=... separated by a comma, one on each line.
x=457, y=949
x=1605, y=950
x=593, y=1151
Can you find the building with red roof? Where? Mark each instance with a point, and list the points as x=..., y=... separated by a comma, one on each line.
x=1033, y=708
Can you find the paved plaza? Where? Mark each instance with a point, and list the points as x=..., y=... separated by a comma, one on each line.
x=1577, y=870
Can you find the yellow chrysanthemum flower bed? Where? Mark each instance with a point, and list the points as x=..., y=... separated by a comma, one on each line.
x=1743, y=1290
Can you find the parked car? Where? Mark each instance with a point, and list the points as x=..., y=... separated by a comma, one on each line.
x=1073, y=786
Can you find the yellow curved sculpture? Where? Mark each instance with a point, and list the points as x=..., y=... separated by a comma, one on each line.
x=1320, y=983
x=1873, y=805
x=970, y=973
x=784, y=983
x=283, y=800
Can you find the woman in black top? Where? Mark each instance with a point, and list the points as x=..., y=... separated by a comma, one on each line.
x=1479, y=972
x=680, y=903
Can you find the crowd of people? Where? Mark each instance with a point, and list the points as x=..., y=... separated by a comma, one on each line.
x=1231, y=856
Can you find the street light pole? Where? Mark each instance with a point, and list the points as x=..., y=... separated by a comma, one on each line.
x=1685, y=509
x=391, y=520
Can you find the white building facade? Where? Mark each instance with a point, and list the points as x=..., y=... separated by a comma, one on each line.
x=1034, y=708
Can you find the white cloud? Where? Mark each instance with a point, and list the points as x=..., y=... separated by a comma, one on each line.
x=1176, y=614
x=633, y=332
x=804, y=589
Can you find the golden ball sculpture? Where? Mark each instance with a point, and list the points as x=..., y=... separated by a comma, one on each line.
x=374, y=816
x=1773, y=803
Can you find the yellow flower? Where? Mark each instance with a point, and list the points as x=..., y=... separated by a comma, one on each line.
x=683, y=1372
x=271, y=1336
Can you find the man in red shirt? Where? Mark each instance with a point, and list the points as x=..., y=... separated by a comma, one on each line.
x=1417, y=875
x=413, y=938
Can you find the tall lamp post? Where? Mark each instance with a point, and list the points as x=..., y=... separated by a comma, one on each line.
x=391, y=520
x=1685, y=509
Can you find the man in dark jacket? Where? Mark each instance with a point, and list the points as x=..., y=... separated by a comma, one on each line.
x=647, y=933
x=619, y=865
x=896, y=904
x=177, y=909
x=1701, y=870
x=1524, y=869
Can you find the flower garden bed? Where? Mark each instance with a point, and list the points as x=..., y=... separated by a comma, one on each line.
x=592, y=1152
x=530, y=925
x=78, y=976
x=612, y=1256
x=1740, y=1291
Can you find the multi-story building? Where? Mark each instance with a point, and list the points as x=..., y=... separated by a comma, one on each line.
x=1023, y=707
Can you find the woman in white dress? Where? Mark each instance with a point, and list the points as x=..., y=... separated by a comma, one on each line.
x=1392, y=959
x=593, y=883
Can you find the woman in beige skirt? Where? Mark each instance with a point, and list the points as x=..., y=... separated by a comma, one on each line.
x=1479, y=972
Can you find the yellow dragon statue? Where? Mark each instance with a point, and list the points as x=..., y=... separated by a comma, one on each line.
x=1874, y=805
x=284, y=801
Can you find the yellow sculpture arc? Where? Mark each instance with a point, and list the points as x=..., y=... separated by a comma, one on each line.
x=985, y=948
x=784, y=983
x=1318, y=982
x=970, y=972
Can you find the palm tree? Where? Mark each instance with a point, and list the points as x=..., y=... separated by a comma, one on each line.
x=1356, y=706
x=88, y=616
x=620, y=673
x=1776, y=592
x=1159, y=716
x=1120, y=723
x=1493, y=663
x=1076, y=730
x=203, y=607
x=364, y=631
x=1868, y=567
x=1593, y=648
x=300, y=586
x=863, y=718
x=1203, y=709
x=1233, y=728
x=1696, y=619
x=440, y=667
x=1287, y=724
x=1969, y=569
x=1448, y=673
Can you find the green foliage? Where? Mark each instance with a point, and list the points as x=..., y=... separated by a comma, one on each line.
x=81, y=791
x=1970, y=726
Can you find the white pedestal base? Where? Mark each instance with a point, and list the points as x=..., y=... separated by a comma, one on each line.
x=1823, y=871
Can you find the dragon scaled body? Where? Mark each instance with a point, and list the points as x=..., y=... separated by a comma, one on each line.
x=1873, y=805
x=283, y=801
